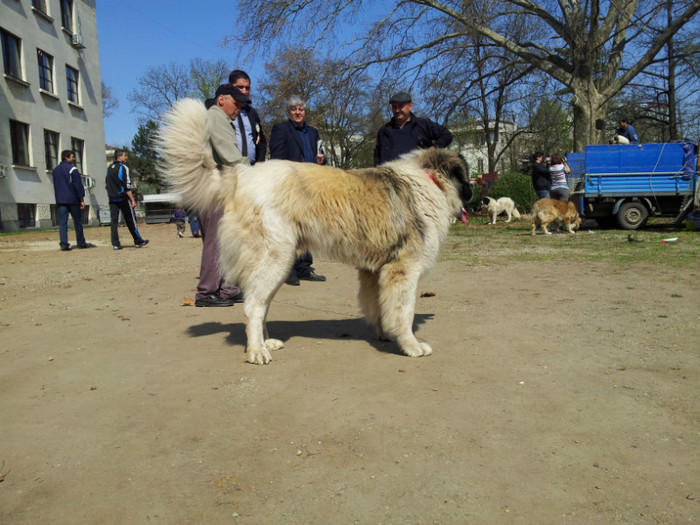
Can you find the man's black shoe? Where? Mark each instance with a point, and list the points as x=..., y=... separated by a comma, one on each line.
x=292, y=280
x=86, y=245
x=213, y=300
x=237, y=298
x=65, y=247
x=142, y=243
x=311, y=276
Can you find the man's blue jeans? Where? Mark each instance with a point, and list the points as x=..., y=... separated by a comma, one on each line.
x=75, y=212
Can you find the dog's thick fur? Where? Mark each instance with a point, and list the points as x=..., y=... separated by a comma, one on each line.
x=547, y=211
x=389, y=222
x=495, y=207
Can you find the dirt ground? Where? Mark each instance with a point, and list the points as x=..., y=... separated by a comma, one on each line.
x=556, y=394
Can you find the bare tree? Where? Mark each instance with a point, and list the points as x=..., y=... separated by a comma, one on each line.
x=292, y=71
x=340, y=107
x=592, y=48
x=206, y=76
x=109, y=101
x=163, y=85
x=662, y=99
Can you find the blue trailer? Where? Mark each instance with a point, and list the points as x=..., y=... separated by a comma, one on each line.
x=625, y=184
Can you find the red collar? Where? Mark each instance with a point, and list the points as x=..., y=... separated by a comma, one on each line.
x=433, y=179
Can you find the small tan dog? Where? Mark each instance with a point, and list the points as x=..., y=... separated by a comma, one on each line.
x=495, y=207
x=547, y=211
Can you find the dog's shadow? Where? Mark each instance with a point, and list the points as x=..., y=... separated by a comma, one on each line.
x=353, y=329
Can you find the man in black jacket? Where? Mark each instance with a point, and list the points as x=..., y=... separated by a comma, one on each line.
x=406, y=132
x=248, y=122
x=122, y=200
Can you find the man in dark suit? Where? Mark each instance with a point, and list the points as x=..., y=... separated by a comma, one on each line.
x=297, y=141
x=247, y=124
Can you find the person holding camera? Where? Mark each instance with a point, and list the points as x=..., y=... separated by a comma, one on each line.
x=558, y=170
x=541, y=180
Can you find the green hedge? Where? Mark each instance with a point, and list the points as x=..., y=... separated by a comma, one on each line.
x=514, y=185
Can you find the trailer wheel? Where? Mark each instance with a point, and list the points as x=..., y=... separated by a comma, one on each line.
x=632, y=215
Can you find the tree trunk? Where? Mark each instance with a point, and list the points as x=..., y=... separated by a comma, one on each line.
x=589, y=107
x=672, y=123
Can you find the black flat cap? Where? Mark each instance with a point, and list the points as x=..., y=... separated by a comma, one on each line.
x=228, y=89
x=401, y=96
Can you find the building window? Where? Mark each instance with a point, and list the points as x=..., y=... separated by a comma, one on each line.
x=67, y=15
x=26, y=213
x=40, y=5
x=72, y=77
x=19, y=136
x=51, y=149
x=78, y=146
x=12, y=54
x=45, y=70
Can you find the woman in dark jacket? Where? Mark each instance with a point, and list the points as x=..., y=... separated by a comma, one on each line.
x=541, y=180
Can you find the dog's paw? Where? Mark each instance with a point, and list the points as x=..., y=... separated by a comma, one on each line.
x=259, y=356
x=418, y=350
x=381, y=336
x=273, y=344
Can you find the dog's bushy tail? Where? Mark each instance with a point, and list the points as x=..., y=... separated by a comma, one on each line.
x=188, y=165
x=516, y=213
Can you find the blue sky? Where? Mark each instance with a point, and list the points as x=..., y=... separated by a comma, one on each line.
x=134, y=35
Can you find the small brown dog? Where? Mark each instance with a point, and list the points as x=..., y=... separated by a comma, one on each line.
x=547, y=211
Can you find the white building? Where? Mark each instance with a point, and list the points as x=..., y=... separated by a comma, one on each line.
x=50, y=100
x=475, y=150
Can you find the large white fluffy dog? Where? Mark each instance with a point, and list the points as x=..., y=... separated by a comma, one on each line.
x=389, y=222
x=495, y=207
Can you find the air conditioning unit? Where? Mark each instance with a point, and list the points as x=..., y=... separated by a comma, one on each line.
x=78, y=41
x=89, y=182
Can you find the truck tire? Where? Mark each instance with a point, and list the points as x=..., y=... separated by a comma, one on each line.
x=632, y=215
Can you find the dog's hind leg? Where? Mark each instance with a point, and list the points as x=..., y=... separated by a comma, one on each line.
x=398, y=282
x=369, y=300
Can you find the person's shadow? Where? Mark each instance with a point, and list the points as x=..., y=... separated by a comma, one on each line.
x=355, y=329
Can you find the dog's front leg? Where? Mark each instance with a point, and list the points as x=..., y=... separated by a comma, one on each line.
x=397, y=302
x=256, y=349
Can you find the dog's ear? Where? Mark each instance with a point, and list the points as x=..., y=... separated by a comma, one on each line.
x=443, y=161
x=450, y=165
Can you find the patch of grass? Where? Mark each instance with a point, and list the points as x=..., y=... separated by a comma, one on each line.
x=477, y=243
